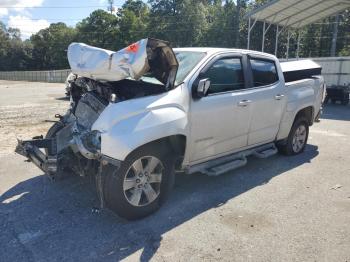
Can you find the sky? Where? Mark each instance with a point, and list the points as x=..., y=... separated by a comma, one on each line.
x=32, y=15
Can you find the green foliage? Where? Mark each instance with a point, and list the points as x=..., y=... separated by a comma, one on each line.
x=343, y=46
x=222, y=30
x=133, y=22
x=99, y=29
x=14, y=54
x=213, y=23
x=50, y=45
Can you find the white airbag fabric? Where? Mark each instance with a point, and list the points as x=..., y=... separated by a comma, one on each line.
x=106, y=65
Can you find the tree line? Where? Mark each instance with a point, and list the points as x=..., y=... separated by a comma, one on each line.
x=212, y=23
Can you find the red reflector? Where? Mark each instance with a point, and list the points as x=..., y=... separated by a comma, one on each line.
x=133, y=48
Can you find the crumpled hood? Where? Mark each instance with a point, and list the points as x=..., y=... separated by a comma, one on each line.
x=147, y=56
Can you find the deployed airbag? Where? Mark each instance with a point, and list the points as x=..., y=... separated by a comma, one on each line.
x=145, y=56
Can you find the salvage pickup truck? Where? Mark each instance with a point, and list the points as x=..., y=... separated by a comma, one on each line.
x=138, y=115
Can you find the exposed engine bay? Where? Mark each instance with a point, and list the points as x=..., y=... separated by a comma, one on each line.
x=70, y=145
x=117, y=91
x=73, y=141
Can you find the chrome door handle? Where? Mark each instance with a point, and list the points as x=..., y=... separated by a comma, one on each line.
x=279, y=97
x=244, y=103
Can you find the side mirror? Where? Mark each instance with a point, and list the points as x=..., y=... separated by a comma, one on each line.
x=202, y=88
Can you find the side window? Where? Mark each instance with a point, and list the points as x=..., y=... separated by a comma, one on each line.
x=225, y=75
x=264, y=72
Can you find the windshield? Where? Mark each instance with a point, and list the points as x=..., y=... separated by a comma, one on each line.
x=187, y=61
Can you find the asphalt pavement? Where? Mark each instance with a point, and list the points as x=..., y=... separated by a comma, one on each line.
x=276, y=209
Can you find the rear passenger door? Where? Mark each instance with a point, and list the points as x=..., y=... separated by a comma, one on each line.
x=268, y=100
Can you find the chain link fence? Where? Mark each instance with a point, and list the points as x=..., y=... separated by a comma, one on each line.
x=336, y=71
x=51, y=76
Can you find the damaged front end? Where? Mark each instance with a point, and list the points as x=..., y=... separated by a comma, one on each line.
x=101, y=77
x=31, y=150
x=70, y=146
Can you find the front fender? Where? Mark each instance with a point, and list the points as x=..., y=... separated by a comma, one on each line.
x=128, y=134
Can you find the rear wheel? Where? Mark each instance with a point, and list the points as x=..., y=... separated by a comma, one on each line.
x=297, y=138
x=345, y=102
x=326, y=100
x=141, y=184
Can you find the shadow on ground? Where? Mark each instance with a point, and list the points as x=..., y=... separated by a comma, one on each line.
x=336, y=112
x=63, y=98
x=41, y=220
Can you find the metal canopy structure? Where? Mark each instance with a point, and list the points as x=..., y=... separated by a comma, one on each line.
x=292, y=14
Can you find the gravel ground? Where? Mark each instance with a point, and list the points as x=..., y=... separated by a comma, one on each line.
x=24, y=107
x=278, y=209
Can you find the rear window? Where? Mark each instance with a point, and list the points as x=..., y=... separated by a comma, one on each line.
x=264, y=72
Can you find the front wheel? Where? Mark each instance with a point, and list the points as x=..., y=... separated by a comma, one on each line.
x=297, y=138
x=141, y=184
x=52, y=132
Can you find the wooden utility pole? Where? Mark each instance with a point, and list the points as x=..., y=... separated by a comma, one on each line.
x=110, y=7
x=335, y=36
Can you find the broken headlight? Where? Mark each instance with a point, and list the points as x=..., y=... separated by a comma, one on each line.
x=92, y=141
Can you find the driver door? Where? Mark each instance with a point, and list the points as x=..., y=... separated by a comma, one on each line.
x=220, y=120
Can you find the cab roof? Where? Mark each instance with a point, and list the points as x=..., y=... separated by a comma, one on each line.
x=216, y=50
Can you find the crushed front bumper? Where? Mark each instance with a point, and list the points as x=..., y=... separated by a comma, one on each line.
x=43, y=153
x=31, y=150
x=70, y=151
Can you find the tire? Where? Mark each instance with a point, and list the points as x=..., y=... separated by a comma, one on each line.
x=345, y=102
x=125, y=202
x=326, y=100
x=290, y=148
x=51, y=133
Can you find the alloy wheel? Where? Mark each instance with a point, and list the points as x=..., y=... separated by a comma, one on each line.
x=142, y=181
x=299, y=139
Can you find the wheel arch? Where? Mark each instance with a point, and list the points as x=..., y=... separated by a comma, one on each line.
x=306, y=112
x=289, y=119
x=173, y=144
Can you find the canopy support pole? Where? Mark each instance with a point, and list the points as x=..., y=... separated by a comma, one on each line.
x=298, y=45
x=265, y=30
x=276, y=44
x=263, y=38
x=248, y=41
x=250, y=27
x=335, y=36
x=288, y=41
x=279, y=30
